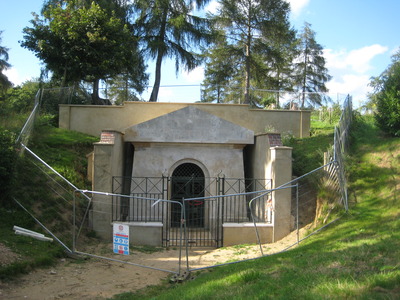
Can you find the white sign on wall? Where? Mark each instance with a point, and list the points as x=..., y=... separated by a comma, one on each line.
x=121, y=239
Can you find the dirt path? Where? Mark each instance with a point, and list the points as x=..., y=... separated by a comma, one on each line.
x=99, y=279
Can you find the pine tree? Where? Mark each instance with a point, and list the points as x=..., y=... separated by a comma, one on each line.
x=249, y=26
x=311, y=73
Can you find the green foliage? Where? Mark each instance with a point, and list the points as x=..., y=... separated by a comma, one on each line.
x=308, y=152
x=31, y=253
x=75, y=42
x=8, y=160
x=330, y=114
x=65, y=150
x=254, y=49
x=4, y=65
x=311, y=73
x=59, y=148
x=170, y=29
x=21, y=98
x=386, y=97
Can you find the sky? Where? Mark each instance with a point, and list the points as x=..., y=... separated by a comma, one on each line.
x=358, y=36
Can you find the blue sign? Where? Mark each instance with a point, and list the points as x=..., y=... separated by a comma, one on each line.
x=121, y=239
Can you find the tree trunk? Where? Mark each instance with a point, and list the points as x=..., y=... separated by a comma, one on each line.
x=278, y=76
x=303, y=98
x=160, y=55
x=95, y=94
x=157, y=81
x=247, y=75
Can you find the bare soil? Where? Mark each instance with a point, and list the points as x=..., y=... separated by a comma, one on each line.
x=98, y=278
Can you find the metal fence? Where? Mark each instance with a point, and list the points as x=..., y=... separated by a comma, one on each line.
x=272, y=99
x=204, y=215
x=27, y=129
x=69, y=213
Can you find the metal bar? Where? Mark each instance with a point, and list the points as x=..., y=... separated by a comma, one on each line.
x=297, y=211
x=44, y=227
x=49, y=167
x=124, y=262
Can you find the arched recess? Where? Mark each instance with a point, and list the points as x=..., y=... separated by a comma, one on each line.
x=188, y=181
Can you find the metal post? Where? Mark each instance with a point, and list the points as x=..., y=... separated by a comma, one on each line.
x=297, y=212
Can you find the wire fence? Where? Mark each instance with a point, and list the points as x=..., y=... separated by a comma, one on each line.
x=264, y=98
x=69, y=214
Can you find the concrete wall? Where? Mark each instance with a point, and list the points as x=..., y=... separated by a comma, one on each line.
x=149, y=234
x=106, y=163
x=92, y=119
x=245, y=233
x=153, y=160
x=280, y=168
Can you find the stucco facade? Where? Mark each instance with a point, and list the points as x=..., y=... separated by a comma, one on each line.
x=220, y=144
x=92, y=119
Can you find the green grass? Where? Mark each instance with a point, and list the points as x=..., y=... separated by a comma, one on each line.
x=65, y=151
x=32, y=253
x=357, y=257
x=308, y=152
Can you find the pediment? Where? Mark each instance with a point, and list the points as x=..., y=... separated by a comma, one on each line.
x=189, y=125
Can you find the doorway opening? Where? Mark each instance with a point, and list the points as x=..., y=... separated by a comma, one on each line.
x=188, y=181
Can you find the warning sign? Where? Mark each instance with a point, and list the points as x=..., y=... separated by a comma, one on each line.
x=121, y=239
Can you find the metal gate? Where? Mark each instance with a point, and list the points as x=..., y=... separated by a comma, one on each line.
x=204, y=214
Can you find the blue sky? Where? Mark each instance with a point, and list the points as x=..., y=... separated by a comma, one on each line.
x=359, y=37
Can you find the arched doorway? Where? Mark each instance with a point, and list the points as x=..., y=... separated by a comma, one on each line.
x=187, y=181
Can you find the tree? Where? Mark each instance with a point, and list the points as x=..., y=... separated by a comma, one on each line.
x=279, y=57
x=386, y=97
x=311, y=73
x=250, y=26
x=4, y=65
x=219, y=71
x=8, y=157
x=79, y=41
x=20, y=99
x=120, y=89
x=169, y=29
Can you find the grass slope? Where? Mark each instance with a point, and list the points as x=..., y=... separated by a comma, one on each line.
x=65, y=151
x=357, y=257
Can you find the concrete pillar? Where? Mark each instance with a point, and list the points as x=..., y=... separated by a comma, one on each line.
x=107, y=162
x=281, y=172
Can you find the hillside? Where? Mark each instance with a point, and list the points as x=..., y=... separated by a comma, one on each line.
x=357, y=257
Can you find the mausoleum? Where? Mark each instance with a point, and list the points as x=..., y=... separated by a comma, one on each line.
x=216, y=158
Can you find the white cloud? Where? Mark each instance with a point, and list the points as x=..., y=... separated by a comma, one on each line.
x=13, y=76
x=194, y=76
x=356, y=85
x=358, y=60
x=297, y=6
x=350, y=70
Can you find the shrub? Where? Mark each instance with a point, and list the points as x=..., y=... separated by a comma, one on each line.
x=8, y=159
x=386, y=96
